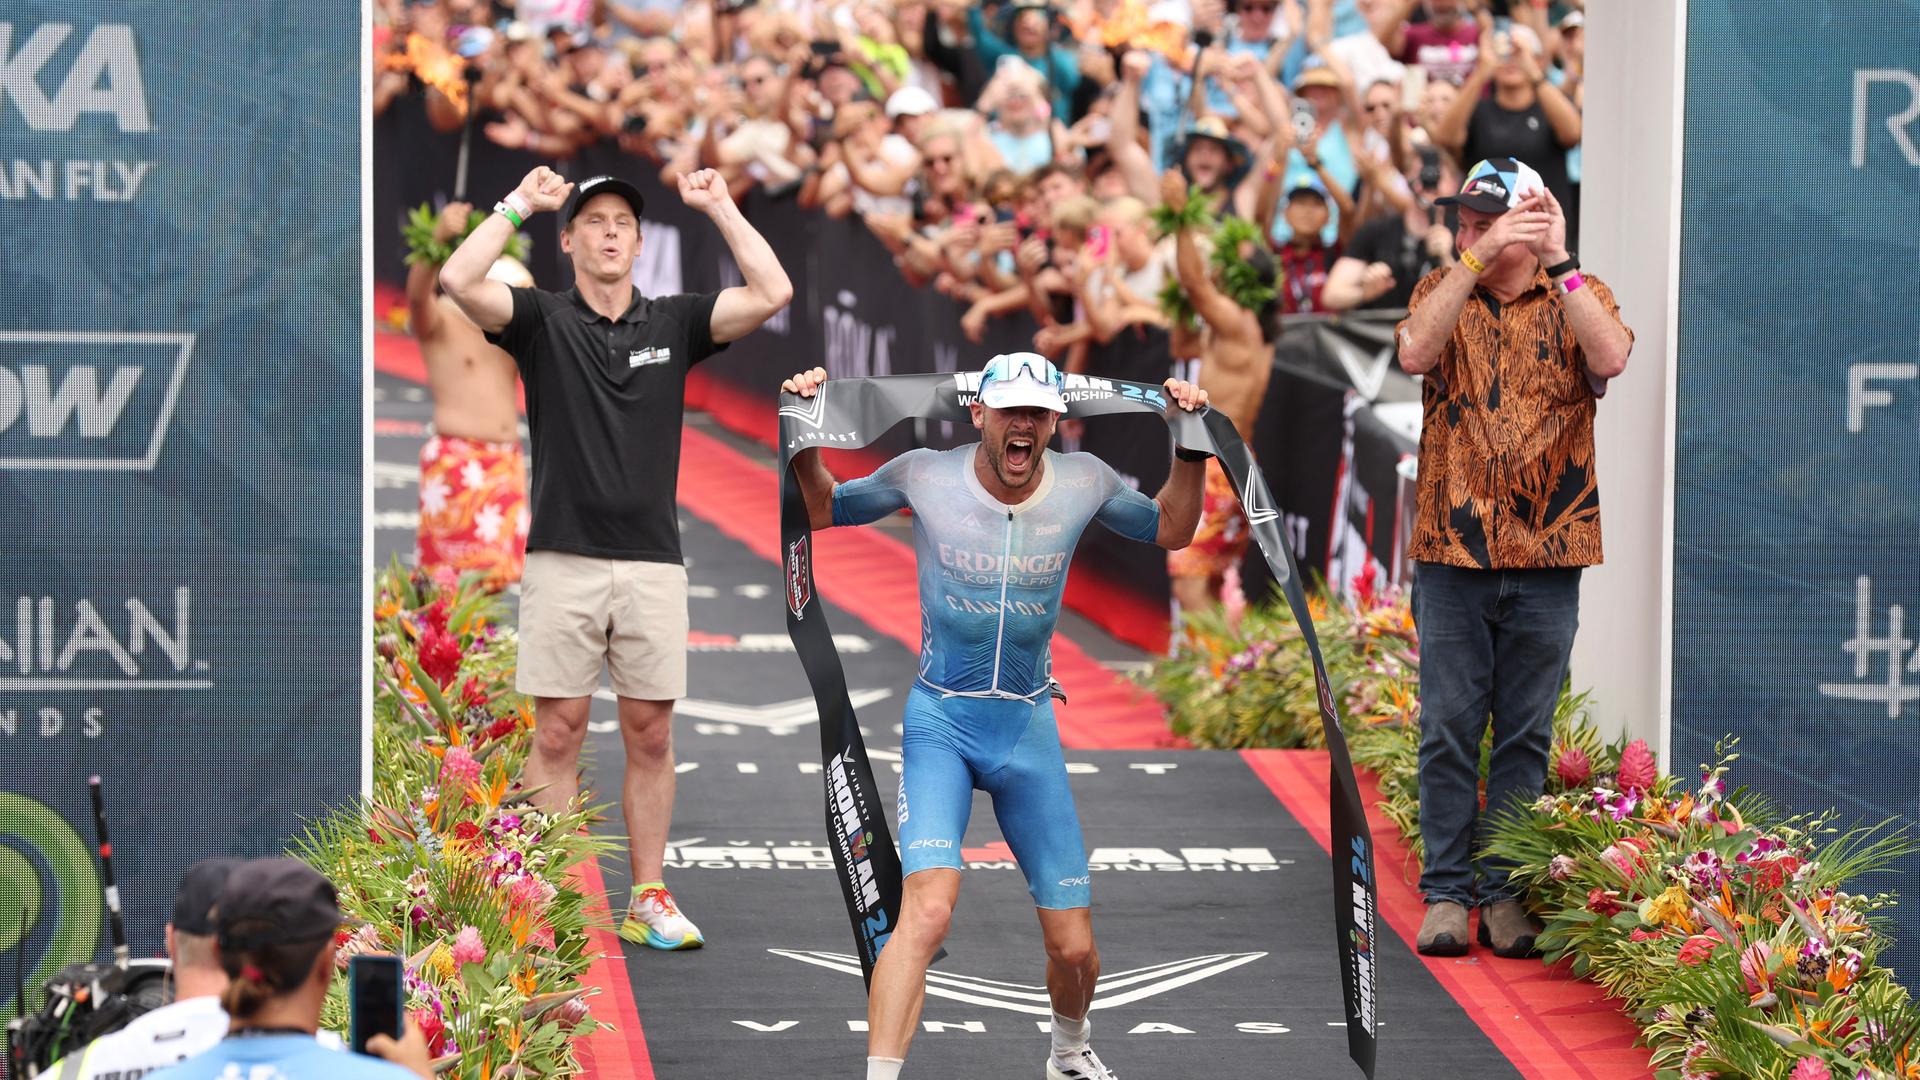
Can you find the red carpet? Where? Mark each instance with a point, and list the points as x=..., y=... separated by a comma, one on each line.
x=1551, y=1025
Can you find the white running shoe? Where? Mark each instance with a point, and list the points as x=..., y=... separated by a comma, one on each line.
x=653, y=919
x=1082, y=1064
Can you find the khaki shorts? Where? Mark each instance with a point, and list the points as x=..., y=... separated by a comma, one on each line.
x=578, y=613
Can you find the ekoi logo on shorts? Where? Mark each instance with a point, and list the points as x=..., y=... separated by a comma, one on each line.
x=799, y=578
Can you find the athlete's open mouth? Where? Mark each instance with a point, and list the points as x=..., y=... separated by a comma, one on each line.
x=1019, y=454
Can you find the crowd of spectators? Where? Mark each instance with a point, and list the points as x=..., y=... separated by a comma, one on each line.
x=1011, y=155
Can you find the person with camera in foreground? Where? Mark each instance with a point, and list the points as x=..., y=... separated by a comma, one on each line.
x=275, y=923
x=995, y=524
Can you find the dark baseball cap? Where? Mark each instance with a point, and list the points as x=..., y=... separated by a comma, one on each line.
x=604, y=185
x=200, y=889
x=277, y=902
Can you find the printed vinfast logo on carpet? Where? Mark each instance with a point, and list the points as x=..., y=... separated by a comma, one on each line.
x=799, y=578
x=1115, y=989
x=703, y=853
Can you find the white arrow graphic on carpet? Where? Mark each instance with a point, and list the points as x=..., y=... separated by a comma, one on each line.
x=780, y=714
x=1122, y=988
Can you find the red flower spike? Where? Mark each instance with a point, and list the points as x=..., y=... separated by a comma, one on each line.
x=439, y=656
x=1572, y=767
x=1637, y=769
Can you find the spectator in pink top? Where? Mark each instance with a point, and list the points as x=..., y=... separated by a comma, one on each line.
x=1447, y=44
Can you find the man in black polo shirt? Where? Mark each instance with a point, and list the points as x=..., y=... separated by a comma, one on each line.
x=605, y=370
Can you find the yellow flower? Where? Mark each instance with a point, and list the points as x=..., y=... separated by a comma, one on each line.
x=1670, y=908
x=523, y=981
x=441, y=962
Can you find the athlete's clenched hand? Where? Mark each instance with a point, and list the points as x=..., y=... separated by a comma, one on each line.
x=806, y=382
x=1189, y=395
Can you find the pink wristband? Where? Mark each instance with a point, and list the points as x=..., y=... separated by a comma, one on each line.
x=1571, y=282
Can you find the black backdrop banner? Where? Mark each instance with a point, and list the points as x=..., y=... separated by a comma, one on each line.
x=855, y=412
x=854, y=314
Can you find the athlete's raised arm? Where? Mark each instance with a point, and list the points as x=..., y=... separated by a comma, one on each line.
x=1186, y=485
x=815, y=481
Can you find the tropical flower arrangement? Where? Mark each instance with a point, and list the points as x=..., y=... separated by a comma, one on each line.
x=1724, y=927
x=447, y=863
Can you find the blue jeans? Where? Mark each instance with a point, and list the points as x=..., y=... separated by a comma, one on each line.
x=1493, y=644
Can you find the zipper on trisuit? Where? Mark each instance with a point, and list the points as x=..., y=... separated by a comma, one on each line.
x=1000, y=634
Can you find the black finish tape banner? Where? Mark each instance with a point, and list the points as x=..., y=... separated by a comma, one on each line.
x=852, y=413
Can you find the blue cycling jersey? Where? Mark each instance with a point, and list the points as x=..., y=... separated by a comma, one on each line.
x=992, y=574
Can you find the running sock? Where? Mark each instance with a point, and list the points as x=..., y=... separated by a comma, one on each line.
x=1069, y=1034
x=884, y=1068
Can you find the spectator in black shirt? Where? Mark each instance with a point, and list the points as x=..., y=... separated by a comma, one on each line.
x=1389, y=255
x=1526, y=117
x=605, y=370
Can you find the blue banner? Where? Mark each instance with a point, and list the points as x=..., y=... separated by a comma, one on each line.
x=181, y=432
x=1797, y=482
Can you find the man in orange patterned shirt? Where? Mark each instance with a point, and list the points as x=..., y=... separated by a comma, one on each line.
x=1516, y=346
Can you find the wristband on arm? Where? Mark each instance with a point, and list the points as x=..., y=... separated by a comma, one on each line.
x=1472, y=261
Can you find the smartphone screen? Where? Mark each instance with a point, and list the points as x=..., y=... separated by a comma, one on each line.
x=1098, y=239
x=375, y=1000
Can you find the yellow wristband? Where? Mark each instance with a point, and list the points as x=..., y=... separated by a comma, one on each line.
x=1471, y=262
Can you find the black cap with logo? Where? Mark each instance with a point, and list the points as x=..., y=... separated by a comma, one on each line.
x=277, y=902
x=200, y=889
x=604, y=185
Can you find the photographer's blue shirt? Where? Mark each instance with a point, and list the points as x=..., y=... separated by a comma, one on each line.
x=280, y=1057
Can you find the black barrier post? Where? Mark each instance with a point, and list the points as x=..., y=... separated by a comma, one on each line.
x=852, y=413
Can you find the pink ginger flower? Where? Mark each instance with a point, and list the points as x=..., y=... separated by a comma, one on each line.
x=1809, y=1068
x=525, y=893
x=541, y=937
x=1562, y=867
x=1572, y=767
x=459, y=768
x=1637, y=769
x=467, y=947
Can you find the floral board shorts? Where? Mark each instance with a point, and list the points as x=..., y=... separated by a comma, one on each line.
x=473, y=509
x=1221, y=540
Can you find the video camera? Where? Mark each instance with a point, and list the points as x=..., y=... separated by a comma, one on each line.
x=83, y=1001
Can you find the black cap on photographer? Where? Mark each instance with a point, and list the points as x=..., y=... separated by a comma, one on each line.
x=604, y=185
x=277, y=902
x=200, y=889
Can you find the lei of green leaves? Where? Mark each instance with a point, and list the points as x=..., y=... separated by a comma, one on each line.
x=1238, y=277
x=424, y=247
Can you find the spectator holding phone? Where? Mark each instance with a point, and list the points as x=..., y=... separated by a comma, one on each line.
x=1389, y=255
x=1526, y=118
x=1447, y=44
x=1029, y=40
x=276, y=922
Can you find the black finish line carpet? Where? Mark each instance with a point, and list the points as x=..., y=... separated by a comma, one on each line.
x=1211, y=902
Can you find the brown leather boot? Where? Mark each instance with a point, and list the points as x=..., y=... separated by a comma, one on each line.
x=1444, y=931
x=1506, y=926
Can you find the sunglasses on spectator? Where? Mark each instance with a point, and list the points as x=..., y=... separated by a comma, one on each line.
x=1264, y=9
x=940, y=159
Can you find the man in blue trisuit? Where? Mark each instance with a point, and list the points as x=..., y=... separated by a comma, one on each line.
x=994, y=527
